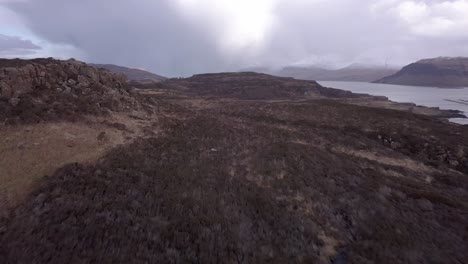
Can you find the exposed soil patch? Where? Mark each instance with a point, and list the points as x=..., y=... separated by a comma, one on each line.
x=30, y=152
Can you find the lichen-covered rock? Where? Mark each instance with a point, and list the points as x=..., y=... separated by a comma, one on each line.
x=65, y=88
x=15, y=81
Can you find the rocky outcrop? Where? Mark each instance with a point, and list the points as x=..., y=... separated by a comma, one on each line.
x=437, y=72
x=34, y=90
x=55, y=75
x=427, y=149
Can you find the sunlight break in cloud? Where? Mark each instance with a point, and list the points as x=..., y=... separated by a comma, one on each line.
x=242, y=23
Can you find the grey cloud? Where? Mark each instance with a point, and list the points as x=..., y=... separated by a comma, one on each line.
x=156, y=35
x=12, y=45
x=353, y=31
x=147, y=34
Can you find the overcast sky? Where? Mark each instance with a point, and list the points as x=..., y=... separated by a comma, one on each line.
x=182, y=37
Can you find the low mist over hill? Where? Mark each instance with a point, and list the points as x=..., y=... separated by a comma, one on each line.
x=353, y=73
x=438, y=72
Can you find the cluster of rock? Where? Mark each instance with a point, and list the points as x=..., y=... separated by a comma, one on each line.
x=432, y=152
x=62, y=76
x=48, y=87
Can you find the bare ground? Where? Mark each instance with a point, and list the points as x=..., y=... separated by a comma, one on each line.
x=30, y=152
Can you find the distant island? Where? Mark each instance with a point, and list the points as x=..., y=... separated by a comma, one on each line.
x=444, y=72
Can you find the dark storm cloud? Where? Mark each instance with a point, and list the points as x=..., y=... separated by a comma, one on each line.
x=206, y=35
x=11, y=45
x=148, y=34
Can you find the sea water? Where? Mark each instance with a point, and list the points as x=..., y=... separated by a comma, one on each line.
x=444, y=98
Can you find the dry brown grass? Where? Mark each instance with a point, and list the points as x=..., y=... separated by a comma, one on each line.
x=30, y=152
x=33, y=151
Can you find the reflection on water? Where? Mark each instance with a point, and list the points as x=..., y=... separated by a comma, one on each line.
x=456, y=99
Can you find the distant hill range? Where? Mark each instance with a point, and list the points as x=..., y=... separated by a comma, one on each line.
x=437, y=72
x=353, y=73
x=131, y=73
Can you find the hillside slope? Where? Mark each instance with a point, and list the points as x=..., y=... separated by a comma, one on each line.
x=437, y=72
x=131, y=73
x=253, y=86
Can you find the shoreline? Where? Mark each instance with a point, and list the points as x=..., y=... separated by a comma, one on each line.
x=385, y=103
x=371, y=98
